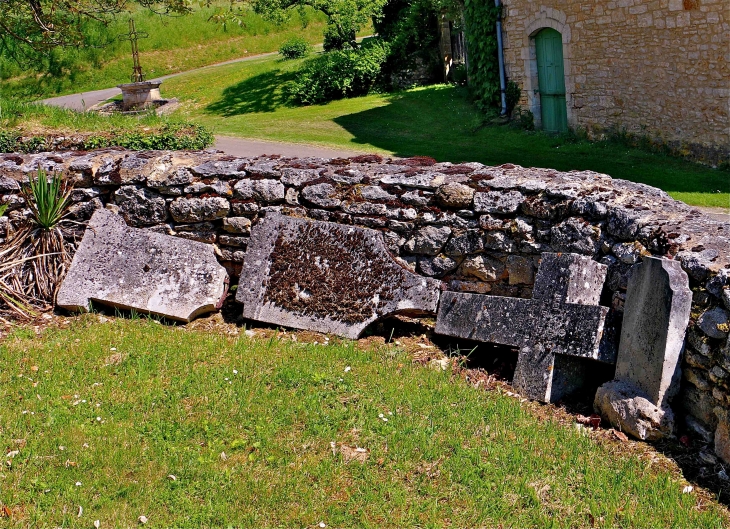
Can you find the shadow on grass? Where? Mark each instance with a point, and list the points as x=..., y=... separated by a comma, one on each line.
x=260, y=93
x=440, y=122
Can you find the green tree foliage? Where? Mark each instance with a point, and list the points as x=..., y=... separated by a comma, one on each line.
x=344, y=17
x=30, y=29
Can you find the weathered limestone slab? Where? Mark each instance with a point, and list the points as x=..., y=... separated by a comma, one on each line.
x=656, y=315
x=562, y=318
x=142, y=270
x=326, y=277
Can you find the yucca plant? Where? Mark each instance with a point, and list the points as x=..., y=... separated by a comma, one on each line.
x=41, y=248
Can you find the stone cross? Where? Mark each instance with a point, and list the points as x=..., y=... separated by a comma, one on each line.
x=326, y=277
x=656, y=315
x=132, y=36
x=562, y=318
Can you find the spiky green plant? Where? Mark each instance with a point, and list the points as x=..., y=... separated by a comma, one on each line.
x=3, y=209
x=42, y=247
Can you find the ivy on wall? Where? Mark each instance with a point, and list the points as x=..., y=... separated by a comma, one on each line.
x=481, y=36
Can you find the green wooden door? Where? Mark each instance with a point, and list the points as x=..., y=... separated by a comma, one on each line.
x=551, y=78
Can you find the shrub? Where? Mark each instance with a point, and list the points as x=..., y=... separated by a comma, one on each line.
x=295, y=48
x=337, y=74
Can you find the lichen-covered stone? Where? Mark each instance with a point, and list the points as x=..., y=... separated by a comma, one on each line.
x=326, y=277
x=140, y=206
x=498, y=202
x=428, y=240
x=137, y=269
x=715, y=323
x=322, y=195
x=199, y=209
x=575, y=236
x=482, y=267
x=376, y=193
x=237, y=225
x=266, y=190
x=469, y=242
x=437, y=266
x=455, y=195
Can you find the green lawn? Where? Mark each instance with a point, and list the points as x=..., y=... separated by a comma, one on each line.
x=127, y=418
x=246, y=100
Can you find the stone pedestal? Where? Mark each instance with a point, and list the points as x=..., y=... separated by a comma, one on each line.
x=136, y=96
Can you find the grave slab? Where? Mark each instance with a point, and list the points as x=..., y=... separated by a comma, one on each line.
x=656, y=315
x=562, y=318
x=138, y=269
x=326, y=277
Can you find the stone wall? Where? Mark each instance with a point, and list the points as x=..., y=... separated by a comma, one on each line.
x=474, y=227
x=658, y=68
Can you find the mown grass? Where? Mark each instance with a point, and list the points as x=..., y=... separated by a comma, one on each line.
x=247, y=100
x=174, y=44
x=116, y=420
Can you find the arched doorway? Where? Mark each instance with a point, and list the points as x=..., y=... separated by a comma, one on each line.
x=551, y=80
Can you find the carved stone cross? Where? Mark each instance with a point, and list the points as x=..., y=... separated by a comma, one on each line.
x=562, y=318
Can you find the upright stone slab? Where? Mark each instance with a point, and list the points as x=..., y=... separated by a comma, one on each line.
x=326, y=277
x=656, y=315
x=137, y=269
x=562, y=318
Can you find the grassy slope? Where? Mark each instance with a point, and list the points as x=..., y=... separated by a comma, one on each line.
x=174, y=44
x=246, y=100
x=103, y=414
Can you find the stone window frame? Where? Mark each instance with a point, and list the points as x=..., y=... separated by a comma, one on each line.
x=555, y=19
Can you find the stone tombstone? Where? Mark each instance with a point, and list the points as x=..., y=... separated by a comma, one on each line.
x=326, y=277
x=656, y=315
x=562, y=320
x=138, y=269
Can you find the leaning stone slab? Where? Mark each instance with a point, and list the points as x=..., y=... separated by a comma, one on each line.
x=563, y=318
x=137, y=269
x=326, y=277
x=656, y=315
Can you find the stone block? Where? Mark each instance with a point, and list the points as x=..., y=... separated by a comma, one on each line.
x=715, y=323
x=562, y=318
x=656, y=315
x=199, y=209
x=629, y=410
x=429, y=240
x=326, y=277
x=138, y=269
x=140, y=206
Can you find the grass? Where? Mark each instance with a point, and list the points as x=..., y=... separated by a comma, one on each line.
x=174, y=44
x=24, y=126
x=116, y=420
x=246, y=100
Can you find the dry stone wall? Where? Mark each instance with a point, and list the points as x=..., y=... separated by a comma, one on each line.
x=657, y=68
x=474, y=228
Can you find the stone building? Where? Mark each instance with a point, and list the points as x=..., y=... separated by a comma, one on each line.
x=655, y=68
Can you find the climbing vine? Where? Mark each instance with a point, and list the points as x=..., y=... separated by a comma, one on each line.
x=481, y=37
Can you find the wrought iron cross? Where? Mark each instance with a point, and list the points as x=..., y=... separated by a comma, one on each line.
x=132, y=36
